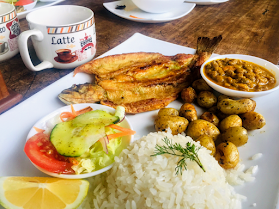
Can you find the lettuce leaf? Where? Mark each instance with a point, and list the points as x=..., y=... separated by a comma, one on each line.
x=97, y=157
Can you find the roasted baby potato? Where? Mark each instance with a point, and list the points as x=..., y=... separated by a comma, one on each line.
x=222, y=96
x=237, y=135
x=175, y=123
x=213, y=109
x=235, y=107
x=227, y=155
x=188, y=111
x=206, y=99
x=218, y=113
x=168, y=111
x=188, y=95
x=210, y=117
x=252, y=120
x=201, y=127
x=208, y=143
x=230, y=121
x=201, y=85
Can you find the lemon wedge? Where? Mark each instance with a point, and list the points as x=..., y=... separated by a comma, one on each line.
x=42, y=192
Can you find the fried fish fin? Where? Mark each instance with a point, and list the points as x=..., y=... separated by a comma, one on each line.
x=205, y=48
x=113, y=63
x=143, y=105
x=83, y=93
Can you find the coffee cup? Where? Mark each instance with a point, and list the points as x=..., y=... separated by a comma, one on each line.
x=9, y=31
x=63, y=37
x=64, y=54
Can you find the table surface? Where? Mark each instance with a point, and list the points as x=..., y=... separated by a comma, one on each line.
x=248, y=27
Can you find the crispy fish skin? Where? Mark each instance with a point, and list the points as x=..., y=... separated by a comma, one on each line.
x=155, y=80
x=120, y=93
x=143, y=105
x=155, y=71
x=140, y=81
x=91, y=93
x=139, y=93
x=159, y=70
x=126, y=92
x=114, y=63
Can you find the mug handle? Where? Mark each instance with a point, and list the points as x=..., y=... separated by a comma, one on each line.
x=23, y=49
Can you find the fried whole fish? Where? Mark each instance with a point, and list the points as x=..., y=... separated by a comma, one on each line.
x=141, y=81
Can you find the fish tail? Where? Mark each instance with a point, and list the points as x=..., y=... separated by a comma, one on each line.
x=85, y=68
x=205, y=44
x=205, y=48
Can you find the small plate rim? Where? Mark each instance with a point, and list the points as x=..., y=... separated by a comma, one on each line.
x=153, y=17
x=206, y=2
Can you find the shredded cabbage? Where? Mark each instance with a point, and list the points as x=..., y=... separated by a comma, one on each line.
x=95, y=158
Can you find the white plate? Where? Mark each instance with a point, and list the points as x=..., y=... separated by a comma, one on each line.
x=206, y=2
x=42, y=124
x=131, y=12
x=40, y=4
x=15, y=125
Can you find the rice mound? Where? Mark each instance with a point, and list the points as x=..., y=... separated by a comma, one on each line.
x=138, y=180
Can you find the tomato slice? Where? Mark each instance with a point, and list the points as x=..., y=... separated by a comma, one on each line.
x=23, y=2
x=43, y=154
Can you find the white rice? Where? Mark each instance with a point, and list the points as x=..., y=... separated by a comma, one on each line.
x=139, y=181
x=238, y=175
x=256, y=156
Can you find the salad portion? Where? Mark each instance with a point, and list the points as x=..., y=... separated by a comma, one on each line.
x=19, y=4
x=79, y=142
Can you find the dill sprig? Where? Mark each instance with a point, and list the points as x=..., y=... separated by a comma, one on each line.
x=188, y=152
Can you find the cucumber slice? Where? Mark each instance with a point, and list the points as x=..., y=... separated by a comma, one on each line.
x=95, y=117
x=73, y=141
x=73, y=138
x=120, y=112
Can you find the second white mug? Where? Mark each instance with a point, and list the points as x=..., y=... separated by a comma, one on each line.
x=63, y=37
x=9, y=31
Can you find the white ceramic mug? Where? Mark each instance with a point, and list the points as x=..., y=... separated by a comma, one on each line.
x=9, y=31
x=63, y=37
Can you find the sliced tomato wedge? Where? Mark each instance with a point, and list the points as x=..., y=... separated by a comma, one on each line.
x=23, y=2
x=43, y=154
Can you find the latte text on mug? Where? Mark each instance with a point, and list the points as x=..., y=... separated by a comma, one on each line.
x=64, y=40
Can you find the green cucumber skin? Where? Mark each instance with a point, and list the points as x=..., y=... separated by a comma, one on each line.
x=73, y=138
x=120, y=112
x=96, y=116
x=71, y=141
x=59, y=136
x=60, y=132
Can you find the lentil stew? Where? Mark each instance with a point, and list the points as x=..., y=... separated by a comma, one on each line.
x=239, y=75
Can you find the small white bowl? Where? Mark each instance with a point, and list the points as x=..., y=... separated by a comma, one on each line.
x=43, y=124
x=28, y=7
x=235, y=93
x=158, y=6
